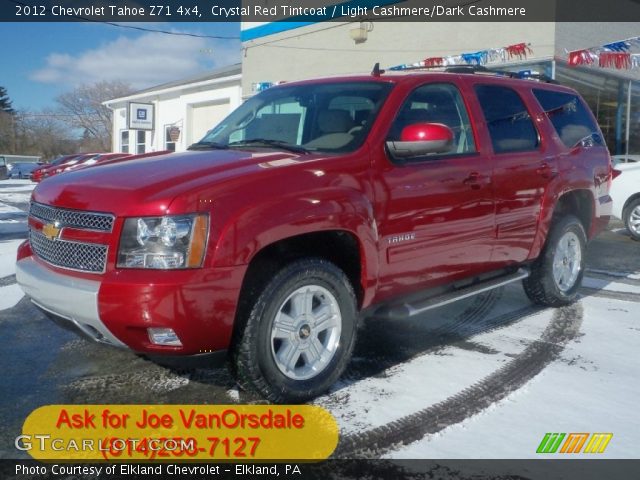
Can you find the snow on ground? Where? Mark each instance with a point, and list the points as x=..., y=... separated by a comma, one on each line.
x=601, y=284
x=436, y=375
x=594, y=387
x=8, y=255
x=10, y=296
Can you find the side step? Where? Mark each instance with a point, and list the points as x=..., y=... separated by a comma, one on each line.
x=406, y=309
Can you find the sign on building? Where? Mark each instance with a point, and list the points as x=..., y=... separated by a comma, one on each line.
x=140, y=116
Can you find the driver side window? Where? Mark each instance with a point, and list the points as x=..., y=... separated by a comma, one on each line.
x=437, y=103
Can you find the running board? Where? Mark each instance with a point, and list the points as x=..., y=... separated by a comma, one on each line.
x=403, y=310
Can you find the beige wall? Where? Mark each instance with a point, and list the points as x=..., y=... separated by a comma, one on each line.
x=272, y=58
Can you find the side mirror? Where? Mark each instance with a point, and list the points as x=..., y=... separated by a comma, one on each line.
x=421, y=139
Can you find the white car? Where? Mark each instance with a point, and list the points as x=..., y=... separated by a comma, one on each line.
x=625, y=191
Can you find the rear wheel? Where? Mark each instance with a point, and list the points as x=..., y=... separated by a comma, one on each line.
x=632, y=218
x=299, y=334
x=557, y=274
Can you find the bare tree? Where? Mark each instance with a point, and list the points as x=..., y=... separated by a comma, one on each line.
x=44, y=134
x=82, y=108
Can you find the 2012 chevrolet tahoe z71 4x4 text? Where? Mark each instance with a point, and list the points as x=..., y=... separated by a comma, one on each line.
x=315, y=203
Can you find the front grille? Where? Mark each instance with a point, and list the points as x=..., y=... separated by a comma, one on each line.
x=72, y=218
x=86, y=257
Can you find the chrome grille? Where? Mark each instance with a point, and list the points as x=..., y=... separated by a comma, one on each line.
x=72, y=218
x=86, y=257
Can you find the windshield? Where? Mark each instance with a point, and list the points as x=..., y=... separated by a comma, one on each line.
x=325, y=117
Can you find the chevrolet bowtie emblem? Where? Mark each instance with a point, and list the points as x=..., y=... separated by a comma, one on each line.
x=51, y=230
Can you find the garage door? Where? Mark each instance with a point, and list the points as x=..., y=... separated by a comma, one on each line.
x=204, y=117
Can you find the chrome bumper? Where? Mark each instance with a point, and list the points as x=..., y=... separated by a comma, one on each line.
x=70, y=298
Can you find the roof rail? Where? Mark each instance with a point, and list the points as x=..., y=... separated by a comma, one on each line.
x=471, y=69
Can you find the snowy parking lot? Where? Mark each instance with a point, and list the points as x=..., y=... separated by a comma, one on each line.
x=487, y=377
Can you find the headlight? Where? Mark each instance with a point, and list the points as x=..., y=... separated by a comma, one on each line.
x=176, y=241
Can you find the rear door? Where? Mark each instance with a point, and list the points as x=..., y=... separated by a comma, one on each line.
x=437, y=213
x=523, y=166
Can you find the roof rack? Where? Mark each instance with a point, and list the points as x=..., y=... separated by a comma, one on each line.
x=472, y=69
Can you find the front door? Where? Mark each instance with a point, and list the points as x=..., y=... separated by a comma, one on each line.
x=435, y=213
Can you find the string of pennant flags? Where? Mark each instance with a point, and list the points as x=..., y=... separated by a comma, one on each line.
x=617, y=55
x=482, y=57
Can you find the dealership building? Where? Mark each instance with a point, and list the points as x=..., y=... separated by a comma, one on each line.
x=174, y=115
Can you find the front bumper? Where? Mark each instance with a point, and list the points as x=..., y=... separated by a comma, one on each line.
x=118, y=307
x=67, y=298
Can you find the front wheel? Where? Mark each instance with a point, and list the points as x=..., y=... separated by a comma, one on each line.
x=632, y=219
x=299, y=334
x=557, y=274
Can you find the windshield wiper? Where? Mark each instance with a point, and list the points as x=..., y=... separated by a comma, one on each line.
x=207, y=146
x=269, y=143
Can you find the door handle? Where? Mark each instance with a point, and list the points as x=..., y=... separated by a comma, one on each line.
x=475, y=180
x=546, y=171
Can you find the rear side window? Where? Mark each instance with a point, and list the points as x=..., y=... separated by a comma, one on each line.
x=508, y=120
x=569, y=117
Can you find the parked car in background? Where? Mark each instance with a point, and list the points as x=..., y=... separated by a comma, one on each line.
x=61, y=167
x=94, y=160
x=108, y=159
x=22, y=169
x=37, y=174
x=625, y=191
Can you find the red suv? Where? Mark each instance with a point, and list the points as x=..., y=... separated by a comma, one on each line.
x=315, y=203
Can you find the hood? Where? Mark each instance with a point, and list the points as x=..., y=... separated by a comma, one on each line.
x=147, y=186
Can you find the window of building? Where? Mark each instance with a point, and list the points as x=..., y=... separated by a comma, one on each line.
x=437, y=103
x=141, y=141
x=569, y=117
x=168, y=143
x=508, y=120
x=124, y=141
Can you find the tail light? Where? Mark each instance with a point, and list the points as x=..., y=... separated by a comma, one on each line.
x=615, y=173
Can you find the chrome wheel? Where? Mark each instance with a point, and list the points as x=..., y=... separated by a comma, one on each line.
x=633, y=221
x=567, y=261
x=306, y=332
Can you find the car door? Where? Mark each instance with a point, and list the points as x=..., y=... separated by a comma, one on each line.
x=523, y=166
x=435, y=213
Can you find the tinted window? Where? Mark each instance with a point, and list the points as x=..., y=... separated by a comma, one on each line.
x=437, y=103
x=569, y=117
x=509, y=123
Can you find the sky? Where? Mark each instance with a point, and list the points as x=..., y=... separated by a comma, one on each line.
x=42, y=60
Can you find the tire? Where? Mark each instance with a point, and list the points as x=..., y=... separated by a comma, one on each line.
x=632, y=218
x=565, y=246
x=283, y=354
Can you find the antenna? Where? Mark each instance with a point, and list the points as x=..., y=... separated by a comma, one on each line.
x=376, y=72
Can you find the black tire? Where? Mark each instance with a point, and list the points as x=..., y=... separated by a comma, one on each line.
x=254, y=355
x=541, y=286
x=629, y=211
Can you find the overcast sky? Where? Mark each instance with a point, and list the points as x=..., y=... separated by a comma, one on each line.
x=41, y=60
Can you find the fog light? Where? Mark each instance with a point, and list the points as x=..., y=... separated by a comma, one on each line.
x=164, y=336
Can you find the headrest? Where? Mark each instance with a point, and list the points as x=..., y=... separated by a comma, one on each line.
x=334, y=121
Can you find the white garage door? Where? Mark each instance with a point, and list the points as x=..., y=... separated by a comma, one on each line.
x=204, y=117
